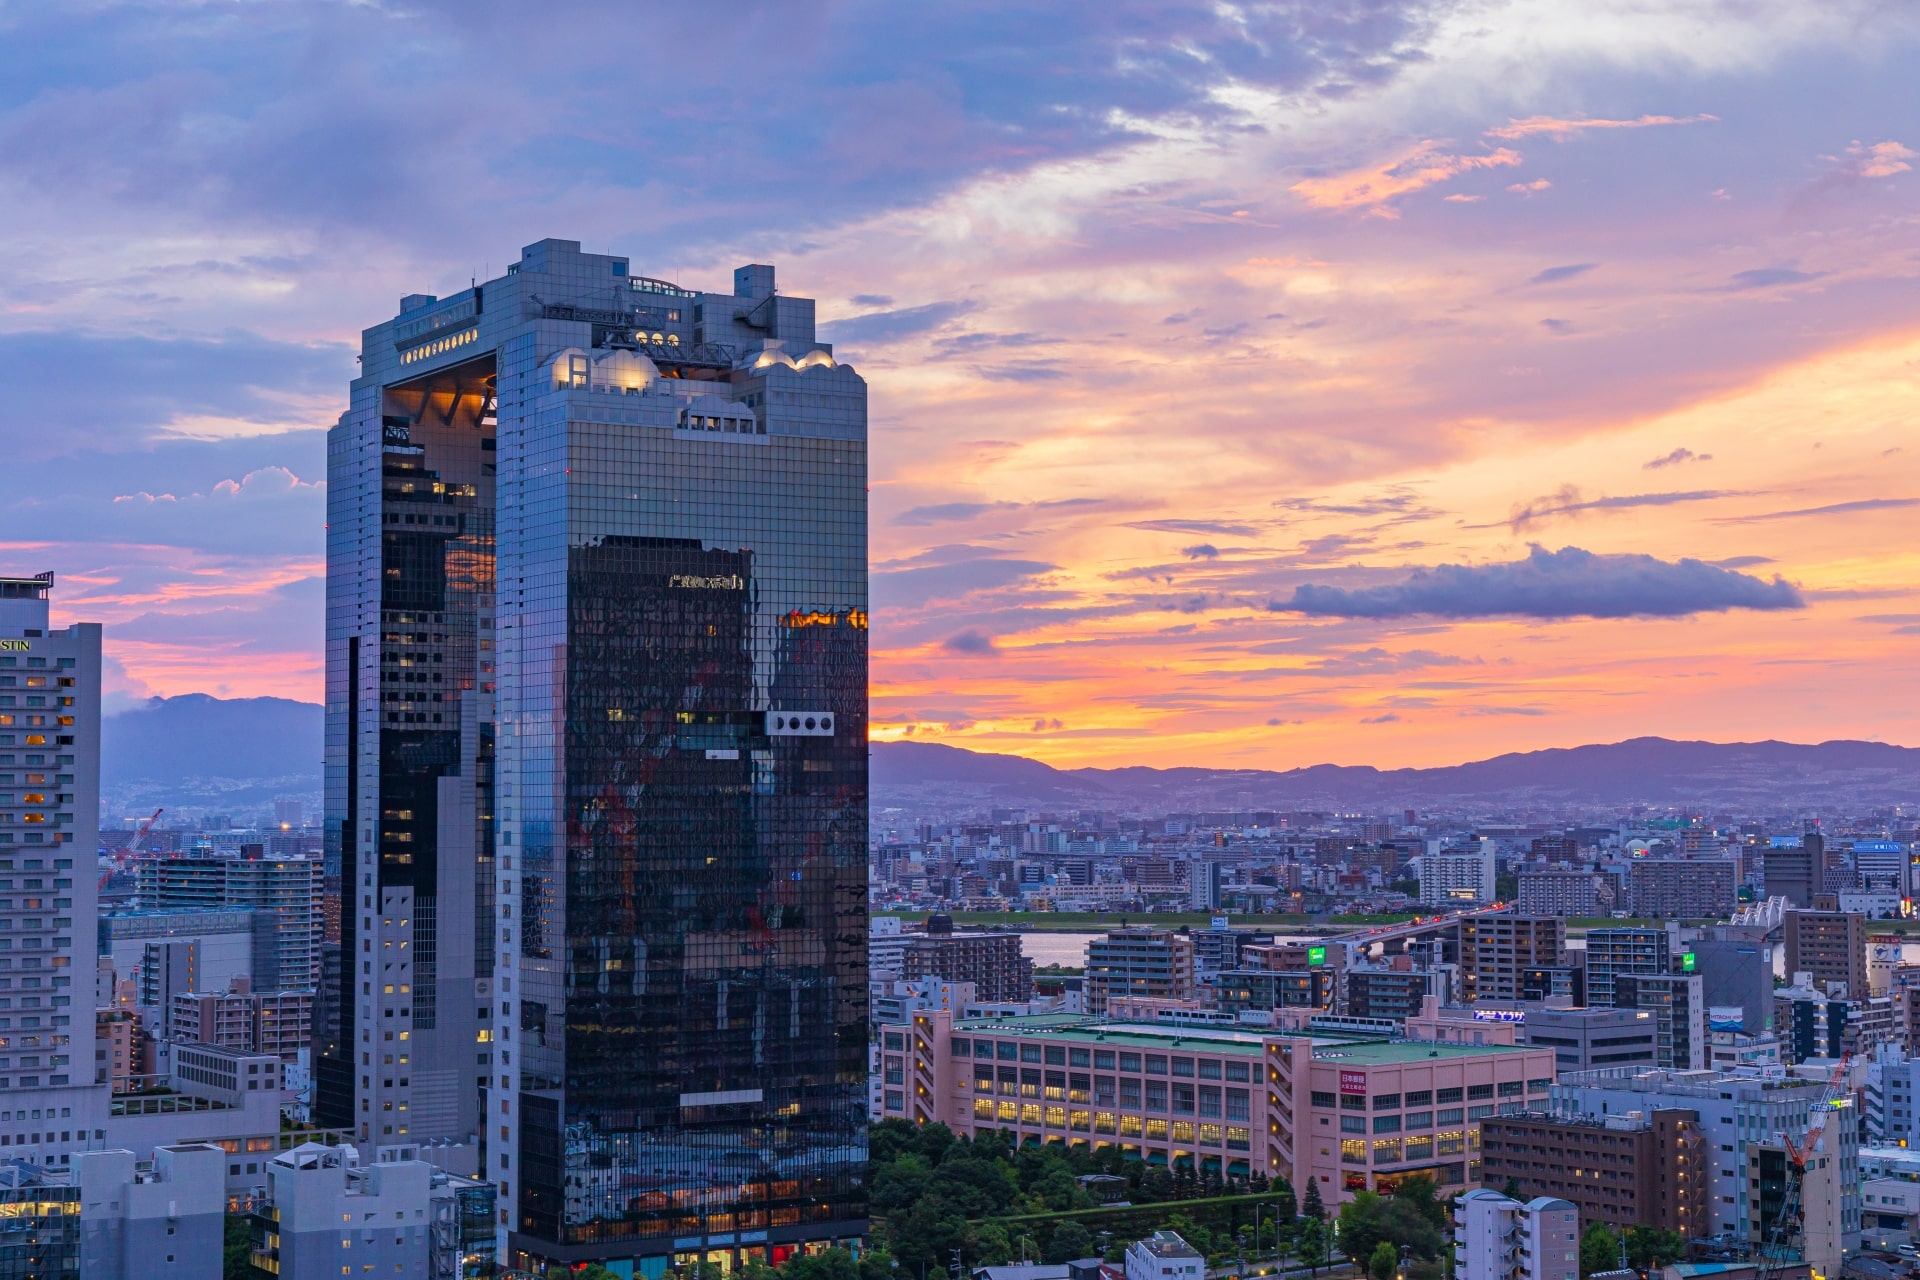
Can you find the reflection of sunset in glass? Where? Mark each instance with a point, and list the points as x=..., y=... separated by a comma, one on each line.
x=1399, y=392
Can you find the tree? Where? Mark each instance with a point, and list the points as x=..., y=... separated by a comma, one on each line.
x=1311, y=1245
x=830, y=1264
x=237, y=1251
x=1419, y=1193
x=1599, y=1249
x=1649, y=1247
x=1285, y=1208
x=987, y=1245
x=1382, y=1261
x=1068, y=1242
x=1512, y=1189
x=1360, y=1229
x=1310, y=1205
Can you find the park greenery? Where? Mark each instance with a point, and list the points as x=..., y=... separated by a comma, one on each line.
x=935, y=1193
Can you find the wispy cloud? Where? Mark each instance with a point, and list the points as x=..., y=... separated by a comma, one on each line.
x=1768, y=278
x=1570, y=501
x=1553, y=275
x=1373, y=187
x=1560, y=129
x=1675, y=458
x=1831, y=509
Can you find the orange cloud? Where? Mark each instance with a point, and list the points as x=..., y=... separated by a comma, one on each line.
x=1560, y=130
x=1372, y=186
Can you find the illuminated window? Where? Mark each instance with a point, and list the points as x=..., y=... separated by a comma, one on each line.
x=1353, y=1151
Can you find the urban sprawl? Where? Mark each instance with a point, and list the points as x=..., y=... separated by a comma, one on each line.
x=561, y=972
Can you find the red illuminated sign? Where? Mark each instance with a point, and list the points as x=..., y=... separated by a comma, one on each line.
x=1353, y=1082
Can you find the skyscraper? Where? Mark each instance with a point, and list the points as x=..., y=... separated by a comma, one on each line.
x=597, y=703
x=49, y=829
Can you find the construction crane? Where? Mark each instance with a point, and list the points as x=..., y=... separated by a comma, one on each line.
x=1786, y=1224
x=133, y=848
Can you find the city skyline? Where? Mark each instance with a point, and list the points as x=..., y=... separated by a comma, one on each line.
x=1170, y=316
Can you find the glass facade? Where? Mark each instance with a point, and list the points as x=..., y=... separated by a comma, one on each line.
x=691, y=854
x=410, y=593
x=597, y=763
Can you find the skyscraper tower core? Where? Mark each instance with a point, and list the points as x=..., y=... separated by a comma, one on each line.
x=597, y=758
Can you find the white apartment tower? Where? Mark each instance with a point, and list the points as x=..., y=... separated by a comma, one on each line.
x=1502, y=1239
x=1460, y=878
x=49, y=829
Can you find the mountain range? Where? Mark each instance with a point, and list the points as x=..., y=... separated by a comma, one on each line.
x=198, y=751
x=1751, y=776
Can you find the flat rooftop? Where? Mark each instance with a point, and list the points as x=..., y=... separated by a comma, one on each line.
x=1161, y=1037
x=1382, y=1053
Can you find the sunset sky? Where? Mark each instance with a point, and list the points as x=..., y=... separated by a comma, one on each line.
x=1378, y=383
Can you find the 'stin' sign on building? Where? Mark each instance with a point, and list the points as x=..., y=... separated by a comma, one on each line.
x=1353, y=1082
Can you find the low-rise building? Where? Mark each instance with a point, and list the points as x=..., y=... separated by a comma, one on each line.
x=324, y=1211
x=162, y=1221
x=1350, y=1111
x=1583, y=1039
x=1164, y=1256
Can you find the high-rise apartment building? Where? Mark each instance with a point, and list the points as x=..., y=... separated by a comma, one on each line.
x=287, y=888
x=1612, y=952
x=1828, y=946
x=1684, y=888
x=1636, y=1170
x=49, y=829
x=1679, y=1014
x=1458, y=878
x=597, y=671
x=1496, y=951
x=1795, y=872
x=1138, y=962
x=1563, y=892
x=993, y=962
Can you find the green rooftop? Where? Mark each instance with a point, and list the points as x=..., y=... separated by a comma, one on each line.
x=1389, y=1052
x=1162, y=1037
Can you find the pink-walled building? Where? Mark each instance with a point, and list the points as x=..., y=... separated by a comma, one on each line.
x=1352, y=1112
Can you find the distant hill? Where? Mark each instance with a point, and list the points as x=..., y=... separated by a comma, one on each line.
x=1643, y=770
x=200, y=751
x=196, y=750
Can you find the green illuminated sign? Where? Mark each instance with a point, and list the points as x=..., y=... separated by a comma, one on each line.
x=1686, y=962
x=1316, y=955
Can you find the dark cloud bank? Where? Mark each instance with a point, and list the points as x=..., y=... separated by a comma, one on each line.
x=1568, y=583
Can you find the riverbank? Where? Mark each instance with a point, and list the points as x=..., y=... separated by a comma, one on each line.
x=1100, y=921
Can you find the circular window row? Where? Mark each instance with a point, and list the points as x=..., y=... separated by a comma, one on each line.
x=790, y=723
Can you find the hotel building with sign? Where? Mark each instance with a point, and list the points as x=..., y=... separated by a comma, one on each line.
x=1353, y=1112
x=50, y=1105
